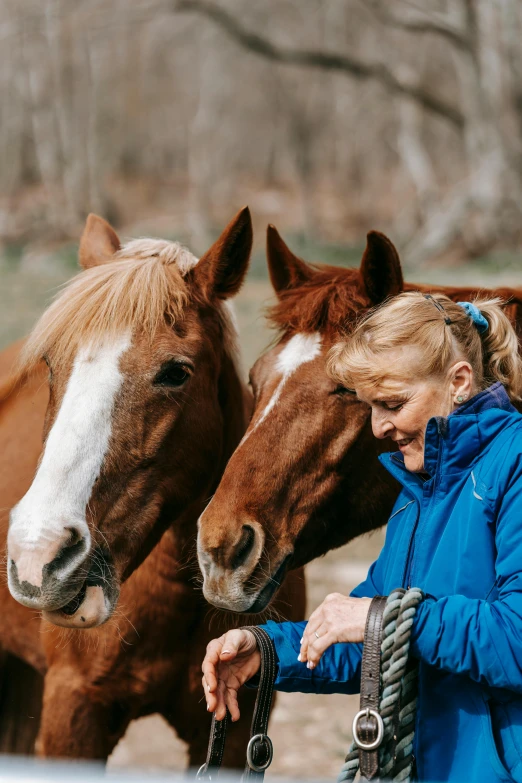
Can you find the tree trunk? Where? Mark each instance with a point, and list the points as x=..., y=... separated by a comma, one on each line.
x=485, y=208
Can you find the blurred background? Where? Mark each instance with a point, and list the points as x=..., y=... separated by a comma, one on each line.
x=327, y=117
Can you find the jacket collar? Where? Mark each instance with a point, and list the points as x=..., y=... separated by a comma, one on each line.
x=453, y=443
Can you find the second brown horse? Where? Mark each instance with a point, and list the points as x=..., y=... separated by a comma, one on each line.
x=305, y=478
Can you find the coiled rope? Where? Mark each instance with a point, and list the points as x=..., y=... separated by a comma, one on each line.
x=399, y=692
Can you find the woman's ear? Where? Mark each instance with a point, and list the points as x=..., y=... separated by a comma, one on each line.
x=461, y=383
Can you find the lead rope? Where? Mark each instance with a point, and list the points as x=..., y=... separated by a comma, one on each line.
x=399, y=692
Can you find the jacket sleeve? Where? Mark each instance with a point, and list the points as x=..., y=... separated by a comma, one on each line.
x=338, y=671
x=477, y=637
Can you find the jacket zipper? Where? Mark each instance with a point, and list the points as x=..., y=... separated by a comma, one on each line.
x=406, y=571
x=408, y=555
x=436, y=479
x=406, y=574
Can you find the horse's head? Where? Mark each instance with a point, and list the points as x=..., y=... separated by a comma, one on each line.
x=140, y=348
x=303, y=479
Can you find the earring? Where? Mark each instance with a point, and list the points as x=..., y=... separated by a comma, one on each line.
x=460, y=398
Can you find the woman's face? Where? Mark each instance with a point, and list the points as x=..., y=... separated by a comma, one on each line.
x=401, y=409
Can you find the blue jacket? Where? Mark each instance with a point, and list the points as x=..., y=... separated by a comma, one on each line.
x=458, y=536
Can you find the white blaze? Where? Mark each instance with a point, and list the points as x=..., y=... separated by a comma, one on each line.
x=300, y=349
x=74, y=453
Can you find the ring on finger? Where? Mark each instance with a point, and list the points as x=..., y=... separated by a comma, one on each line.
x=316, y=635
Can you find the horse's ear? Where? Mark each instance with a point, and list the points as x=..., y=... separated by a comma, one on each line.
x=286, y=270
x=99, y=242
x=381, y=273
x=221, y=271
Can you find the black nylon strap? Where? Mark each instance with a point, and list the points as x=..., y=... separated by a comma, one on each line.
x=367, y=725
x=259, y=750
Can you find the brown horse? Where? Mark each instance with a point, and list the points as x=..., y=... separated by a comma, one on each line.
x=141, y=405
x=305, y=478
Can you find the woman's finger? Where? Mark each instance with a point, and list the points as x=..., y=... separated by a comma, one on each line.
x=324, y=639
x=232, y=642
x=210, y=662
x=314, y=623
x=209, y=697
x=232, y=703
x=221, y=705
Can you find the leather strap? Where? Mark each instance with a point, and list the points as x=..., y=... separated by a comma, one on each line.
x=369, y=723
x=216, y=748
x=259, y=750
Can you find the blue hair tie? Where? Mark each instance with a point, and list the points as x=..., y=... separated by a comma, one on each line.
x=475, y=315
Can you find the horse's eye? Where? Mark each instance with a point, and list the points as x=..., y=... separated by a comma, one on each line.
x=172, y=375
x=46, y=360
x=342, y=390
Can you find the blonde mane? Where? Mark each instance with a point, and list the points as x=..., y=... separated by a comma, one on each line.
x=140, y=288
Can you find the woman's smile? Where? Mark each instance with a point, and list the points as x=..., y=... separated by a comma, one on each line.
x=402, y=407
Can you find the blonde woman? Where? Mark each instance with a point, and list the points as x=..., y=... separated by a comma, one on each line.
x=440, y=379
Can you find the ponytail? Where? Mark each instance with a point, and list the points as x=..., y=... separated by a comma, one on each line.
x=501, y=358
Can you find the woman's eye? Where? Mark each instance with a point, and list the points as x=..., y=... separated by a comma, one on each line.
x=172, y=376
x=395, y=407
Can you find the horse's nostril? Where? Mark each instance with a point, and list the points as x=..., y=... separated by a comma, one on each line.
x=72, y=549
x=244, y=546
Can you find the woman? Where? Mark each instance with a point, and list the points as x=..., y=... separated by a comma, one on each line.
x=440, y=379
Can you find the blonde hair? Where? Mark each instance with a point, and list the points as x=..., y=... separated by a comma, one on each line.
x=143, y=285
x=442, y=331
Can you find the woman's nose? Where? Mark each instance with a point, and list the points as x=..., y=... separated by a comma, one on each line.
x=381, y=425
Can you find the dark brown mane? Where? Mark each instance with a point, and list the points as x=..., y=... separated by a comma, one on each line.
x=325, y=303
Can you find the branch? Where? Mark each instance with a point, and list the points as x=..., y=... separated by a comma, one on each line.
x=434, y=25
x=322, y=60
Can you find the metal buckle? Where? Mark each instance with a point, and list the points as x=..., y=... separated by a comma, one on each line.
x=250, y=761
x=380, y=729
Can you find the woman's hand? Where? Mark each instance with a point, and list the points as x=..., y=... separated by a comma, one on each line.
x=338, y=619
x=230, y=661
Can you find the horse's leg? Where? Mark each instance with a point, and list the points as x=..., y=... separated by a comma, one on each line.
x=76, y=722
x=21, y=689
